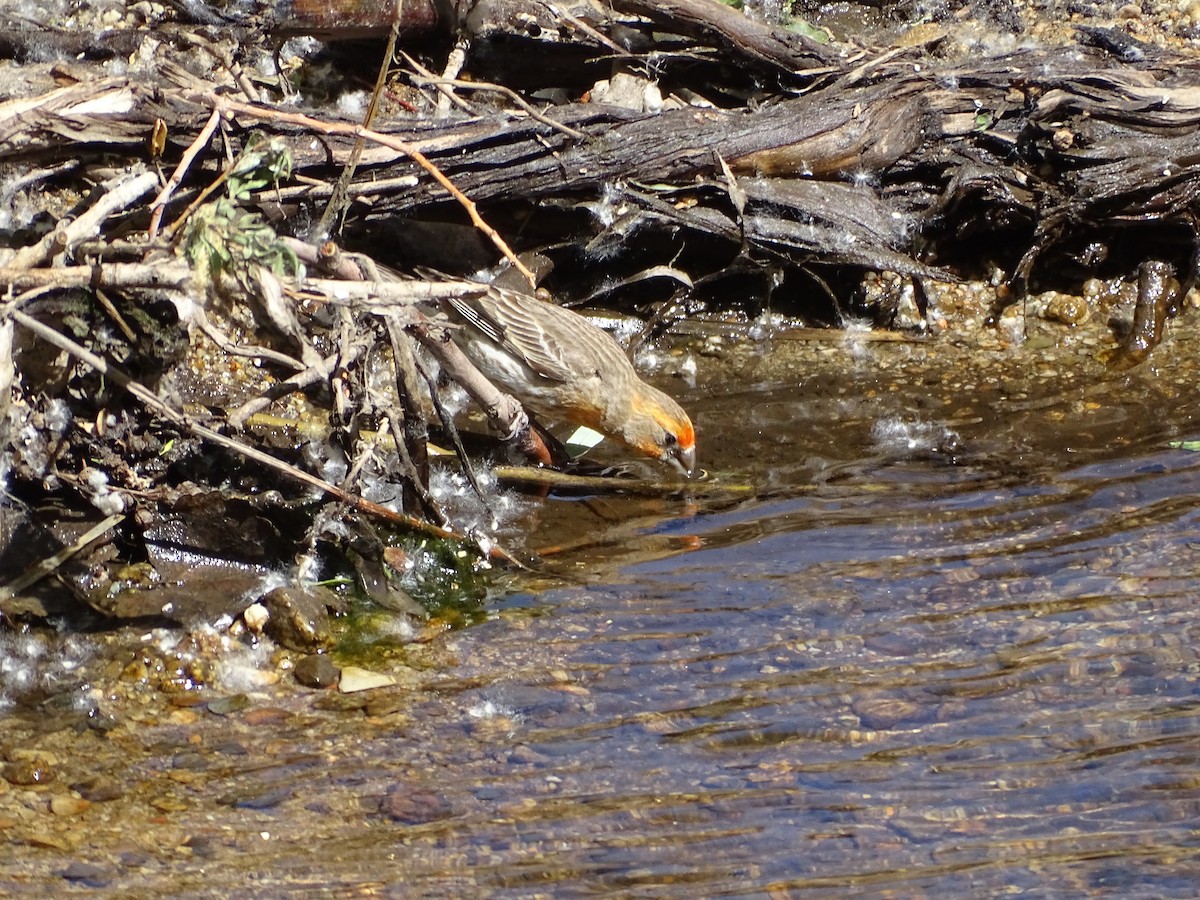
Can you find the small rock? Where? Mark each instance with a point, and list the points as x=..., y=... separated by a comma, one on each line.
x=317, y=671
x=256, y=617
x=224, y=706
x=203, y=846
x=1067, y=310
x=27, y=771
x=100, y=722
x=386, y=704
x=168, y=804
x=87, y=874
x=266, y=715
x=414, y=806
x=135, y=859
x=262, y=798
x=355, y=679
x=230, y=748
x=46, y=841
x=299, y=617
x=189, y=760
x=523, y=753
x=900, y=643
x=99, y=789
x=881, y=713
x=340, y=703
x=183, y=717
x=66, y=805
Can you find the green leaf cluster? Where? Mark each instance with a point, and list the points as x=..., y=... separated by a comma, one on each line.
x=225, y=239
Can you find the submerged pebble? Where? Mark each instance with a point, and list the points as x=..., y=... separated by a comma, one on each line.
x=317, y=671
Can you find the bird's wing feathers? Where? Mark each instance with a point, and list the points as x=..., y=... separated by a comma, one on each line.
x=505, y=319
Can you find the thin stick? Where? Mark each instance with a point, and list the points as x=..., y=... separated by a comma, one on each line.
x=338, y=202
x=507, y=92
x=446, y=96
x=44, y=567
x=185, y=163
x=385, y=140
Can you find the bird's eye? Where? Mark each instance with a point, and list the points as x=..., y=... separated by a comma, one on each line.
x=670, y=440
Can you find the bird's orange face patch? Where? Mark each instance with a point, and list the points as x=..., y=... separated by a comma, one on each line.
x=590, y=416
x=670, y=418
x=686, y=436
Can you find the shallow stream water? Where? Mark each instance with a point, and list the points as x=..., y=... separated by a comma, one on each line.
x=949, y=646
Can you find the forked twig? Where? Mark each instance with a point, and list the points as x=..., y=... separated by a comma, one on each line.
x=185, y=163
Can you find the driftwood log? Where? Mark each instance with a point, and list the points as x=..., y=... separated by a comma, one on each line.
x=909, y=165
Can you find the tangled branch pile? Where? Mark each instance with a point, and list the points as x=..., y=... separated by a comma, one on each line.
x=181, y=383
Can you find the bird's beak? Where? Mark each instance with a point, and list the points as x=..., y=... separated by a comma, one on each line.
x=683, y=459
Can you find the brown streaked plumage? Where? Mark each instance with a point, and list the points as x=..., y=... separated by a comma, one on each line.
x=561, y=366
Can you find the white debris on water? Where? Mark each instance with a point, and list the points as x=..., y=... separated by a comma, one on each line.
x=907, y=436
x=856, y=337
x=501, y=511
x=40, y=661
x=489, y=709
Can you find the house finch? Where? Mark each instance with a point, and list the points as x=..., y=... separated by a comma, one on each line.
x=561, y=366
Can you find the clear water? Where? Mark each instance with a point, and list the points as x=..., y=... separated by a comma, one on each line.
x=949, y=654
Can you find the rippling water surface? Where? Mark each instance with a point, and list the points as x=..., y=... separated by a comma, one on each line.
x=934, y=654
x=936, y=669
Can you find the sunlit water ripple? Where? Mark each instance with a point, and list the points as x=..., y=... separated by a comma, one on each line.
x=967, y=687
x=905, y=671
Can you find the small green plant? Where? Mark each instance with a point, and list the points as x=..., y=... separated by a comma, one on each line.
x=224, y=239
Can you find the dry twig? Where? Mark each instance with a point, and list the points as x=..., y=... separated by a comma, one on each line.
x=215, y=101
x=154, y=403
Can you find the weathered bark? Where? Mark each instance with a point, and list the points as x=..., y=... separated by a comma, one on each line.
x=1039, y=147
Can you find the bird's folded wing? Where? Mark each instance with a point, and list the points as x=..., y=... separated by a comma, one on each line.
x=513, y=323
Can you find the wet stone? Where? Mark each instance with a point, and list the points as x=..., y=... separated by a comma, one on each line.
x=355, y=679
x=386, y=704
x=893, y=643
x=317, y=671
x=169, y=804
x=881, y=713
x=225, y=706
x=341, y=702
x=1067, y=310
x=264, y=799
x=47, y=842
x=27, y=771
x=190, y=761
x=299, y=617
x=202, y=846
x=526, y=755
x=410, y=806
x=101, y=723
x=99, y=790
x=230, y=748
x=66, y=805
x=86, y=874
x=267, y=715
x=134, y=859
